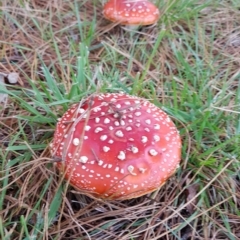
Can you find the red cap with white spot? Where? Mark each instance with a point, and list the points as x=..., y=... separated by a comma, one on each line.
x=116, y=146
x=131, y=12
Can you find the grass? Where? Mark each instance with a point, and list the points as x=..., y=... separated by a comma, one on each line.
x=188, y=64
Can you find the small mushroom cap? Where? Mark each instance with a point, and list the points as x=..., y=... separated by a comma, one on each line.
x=129, y=12
x=116, y=146
x=13, y=77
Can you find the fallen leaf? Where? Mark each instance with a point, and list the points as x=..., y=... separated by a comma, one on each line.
x=191, y=193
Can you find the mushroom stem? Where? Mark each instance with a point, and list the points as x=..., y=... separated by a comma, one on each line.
x=131, y=28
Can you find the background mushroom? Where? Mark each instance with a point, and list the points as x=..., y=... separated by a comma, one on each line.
x=133, y=13
x=116, y=146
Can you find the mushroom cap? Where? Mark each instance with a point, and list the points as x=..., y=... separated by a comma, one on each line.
x=130, y=12
x=116, y=146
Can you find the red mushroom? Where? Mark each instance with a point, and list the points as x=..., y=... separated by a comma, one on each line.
x=116, y=146
x=131, y=12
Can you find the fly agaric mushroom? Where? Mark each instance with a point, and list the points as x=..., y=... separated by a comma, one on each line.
x=116, y=146
x=131, y=12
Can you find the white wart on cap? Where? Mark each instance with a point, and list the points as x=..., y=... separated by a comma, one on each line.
x=116, y=146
